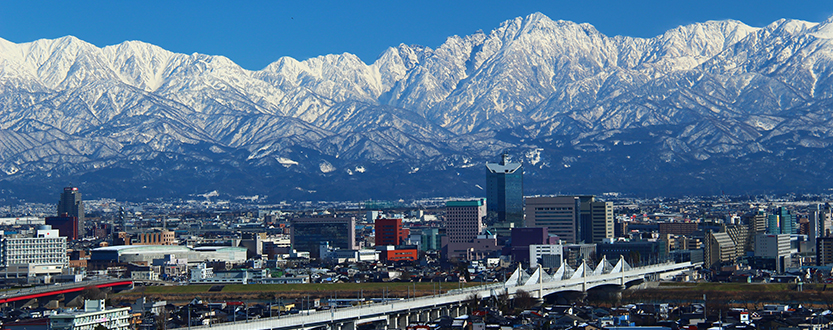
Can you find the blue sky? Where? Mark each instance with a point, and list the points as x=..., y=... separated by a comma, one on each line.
x=256, y=33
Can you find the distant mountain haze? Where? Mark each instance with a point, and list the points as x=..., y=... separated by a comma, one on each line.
x=705, y=108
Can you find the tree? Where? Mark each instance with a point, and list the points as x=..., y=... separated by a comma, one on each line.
x=473, y=302
x=92, y=292
x=161, y=320
x=463, y=268
x=405, y=276
x=501, y=302
x=524, y=299
x=635, y=258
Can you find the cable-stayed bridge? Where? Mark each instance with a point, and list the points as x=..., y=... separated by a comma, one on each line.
x=398, y=314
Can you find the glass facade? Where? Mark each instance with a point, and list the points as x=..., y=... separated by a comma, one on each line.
x=781, y=222
x=505, y=192
x=308, y=233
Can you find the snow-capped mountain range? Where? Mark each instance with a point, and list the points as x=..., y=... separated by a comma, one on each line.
x=701, y=108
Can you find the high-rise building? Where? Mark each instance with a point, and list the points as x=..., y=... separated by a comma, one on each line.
x=464, y=220
x=596, y=222
x=559, y=215
x=740, y=235
x=826, y=220
x=71, y=204
x=573, y=218
x=464, y=231
x=774, y=247
x=390, y=232
x=307, y=234
x=819, y=224
x=718, y=249
x=430, y=239
x=824, y=251
x=781, y=222
x=756, y=221
x=505, y=192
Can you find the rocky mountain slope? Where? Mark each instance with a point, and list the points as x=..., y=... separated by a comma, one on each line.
x=681, y=113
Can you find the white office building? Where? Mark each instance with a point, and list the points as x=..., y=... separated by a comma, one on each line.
x=776, y=247
x=549, y=256
x=46, y=247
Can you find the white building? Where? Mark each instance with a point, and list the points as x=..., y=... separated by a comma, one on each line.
x=94, y=314
x=201, y=272
x=22, y=221
x=144, y=275
x=821, y=220
x=550, y=256
x=46, y=250
x=776, y=247
x=206, y=275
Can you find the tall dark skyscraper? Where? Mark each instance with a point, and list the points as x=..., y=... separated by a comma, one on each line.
x=71, y=205
x=505, y=192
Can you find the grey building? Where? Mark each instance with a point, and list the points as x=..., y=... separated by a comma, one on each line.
x=573, y=218
x=775, y=247
x=596, y=219
x=559, y=215
x=718, y=249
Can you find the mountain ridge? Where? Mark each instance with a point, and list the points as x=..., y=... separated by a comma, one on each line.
x=554, y=93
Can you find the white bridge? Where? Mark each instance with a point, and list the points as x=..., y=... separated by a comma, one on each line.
x=398, y=314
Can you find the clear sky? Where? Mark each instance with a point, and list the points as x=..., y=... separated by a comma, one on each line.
x=256, y=33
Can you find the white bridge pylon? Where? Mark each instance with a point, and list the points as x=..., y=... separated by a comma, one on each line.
x=521, y=277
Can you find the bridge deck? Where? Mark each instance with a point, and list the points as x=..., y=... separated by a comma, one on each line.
x=373, y=312
x=51, y=290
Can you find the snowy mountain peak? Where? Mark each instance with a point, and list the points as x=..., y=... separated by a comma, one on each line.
x=569, y=96
x=824, y=30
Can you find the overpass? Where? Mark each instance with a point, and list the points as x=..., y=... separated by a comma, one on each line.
x=26, y=294
x=398, y=314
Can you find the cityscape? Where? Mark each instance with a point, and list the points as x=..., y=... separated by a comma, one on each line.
x=431, y=165
x=507, y=260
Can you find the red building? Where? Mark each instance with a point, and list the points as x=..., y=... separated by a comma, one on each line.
x=390, y=232
x=396, y=253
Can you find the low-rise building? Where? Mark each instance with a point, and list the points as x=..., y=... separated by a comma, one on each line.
x=202, y=274
x=389, y=253
x=145, y=254
x=93, y=314
x=547, y=255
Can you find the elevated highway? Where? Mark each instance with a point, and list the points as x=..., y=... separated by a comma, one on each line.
x=26, y=294
x=398, y=314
